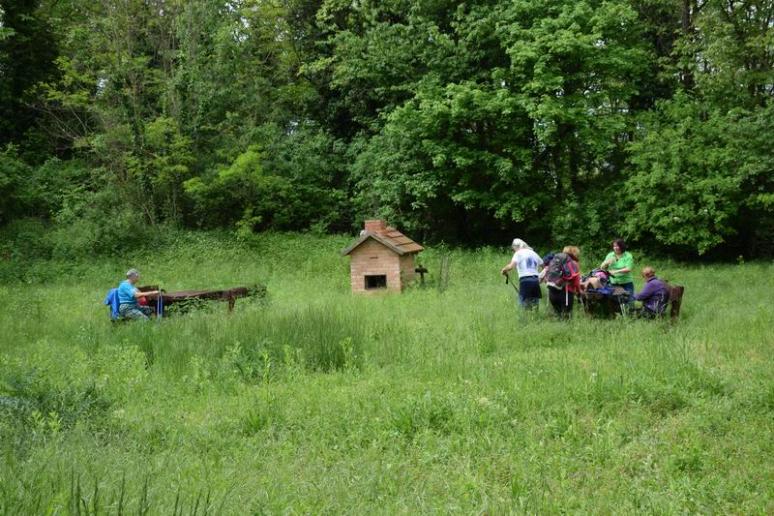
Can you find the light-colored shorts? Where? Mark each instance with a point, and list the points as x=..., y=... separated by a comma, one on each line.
x=137, y=312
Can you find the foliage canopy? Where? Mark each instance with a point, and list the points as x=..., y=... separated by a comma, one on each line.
x=562, y=120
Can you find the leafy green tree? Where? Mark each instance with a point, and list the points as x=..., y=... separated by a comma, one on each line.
x=697, y=172
x=703, y=170
x=453, y=150
x=241, y=190
x=496, y=113
x=290, y=185
x=27, y=53
x=560, y=120
x=13, y=172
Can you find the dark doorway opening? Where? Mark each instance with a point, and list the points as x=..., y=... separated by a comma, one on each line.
x=376, y=281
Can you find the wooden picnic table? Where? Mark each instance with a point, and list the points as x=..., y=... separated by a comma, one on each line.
x=230, y=295
x=604, y=305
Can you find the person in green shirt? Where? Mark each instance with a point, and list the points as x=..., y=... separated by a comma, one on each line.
x=620, y=263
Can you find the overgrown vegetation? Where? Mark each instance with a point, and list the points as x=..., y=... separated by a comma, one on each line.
x=442, y=399
x=125, y=126
x=560, y=120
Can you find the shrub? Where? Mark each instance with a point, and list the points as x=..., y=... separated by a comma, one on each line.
x=288, y=182
x=13, y=172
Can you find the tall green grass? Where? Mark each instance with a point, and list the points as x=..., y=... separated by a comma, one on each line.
x=442, y=399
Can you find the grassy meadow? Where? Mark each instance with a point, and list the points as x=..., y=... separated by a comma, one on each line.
x=442, y=399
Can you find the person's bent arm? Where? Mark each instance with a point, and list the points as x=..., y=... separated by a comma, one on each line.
x=138, y=294
x=645, y=293
x=507, y=268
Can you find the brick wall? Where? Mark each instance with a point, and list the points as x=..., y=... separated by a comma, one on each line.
x=371, y=257
x=375, y=226
x=407, y=268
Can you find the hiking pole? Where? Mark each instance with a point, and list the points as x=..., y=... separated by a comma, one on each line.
x=508, y=280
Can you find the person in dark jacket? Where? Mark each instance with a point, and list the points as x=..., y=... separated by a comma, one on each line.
x=654, y=295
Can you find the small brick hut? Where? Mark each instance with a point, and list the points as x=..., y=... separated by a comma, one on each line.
x=381, y=259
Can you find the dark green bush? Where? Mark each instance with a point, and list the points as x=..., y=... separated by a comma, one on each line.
x=285, y=182
x=13, y=174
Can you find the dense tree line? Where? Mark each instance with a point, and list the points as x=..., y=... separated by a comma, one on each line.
x=565, y=120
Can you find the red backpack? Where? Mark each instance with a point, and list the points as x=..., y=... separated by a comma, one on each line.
x=561, y=269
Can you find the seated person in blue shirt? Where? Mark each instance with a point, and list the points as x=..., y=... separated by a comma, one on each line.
x=654, y=295
x=128, y=294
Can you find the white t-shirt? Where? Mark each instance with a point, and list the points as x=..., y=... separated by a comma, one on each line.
x=527, y=262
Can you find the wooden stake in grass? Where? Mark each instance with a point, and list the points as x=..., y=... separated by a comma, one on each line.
x=443, y=273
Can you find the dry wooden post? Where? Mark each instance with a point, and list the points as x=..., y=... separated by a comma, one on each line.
x=675, y=300
x=421, y=270
x=443, y=273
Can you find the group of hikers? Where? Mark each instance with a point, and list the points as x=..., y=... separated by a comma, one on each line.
x=562, y=275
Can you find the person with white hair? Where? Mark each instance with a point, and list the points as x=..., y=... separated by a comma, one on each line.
x=527, y=264
x=128, y=296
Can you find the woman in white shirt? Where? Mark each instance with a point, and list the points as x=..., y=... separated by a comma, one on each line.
x=528, y=264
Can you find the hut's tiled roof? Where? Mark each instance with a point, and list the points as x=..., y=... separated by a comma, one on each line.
x=389, y=237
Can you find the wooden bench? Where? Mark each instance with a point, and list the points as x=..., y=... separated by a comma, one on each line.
x=675, y=300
